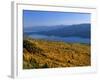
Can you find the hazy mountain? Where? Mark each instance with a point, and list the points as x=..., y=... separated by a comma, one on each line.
x=77, y=30
x=80, y=30
x=41, y=28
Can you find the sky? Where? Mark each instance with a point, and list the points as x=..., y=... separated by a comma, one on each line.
x=33, y=18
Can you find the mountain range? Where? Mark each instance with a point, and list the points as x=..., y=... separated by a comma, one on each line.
x=77, y=30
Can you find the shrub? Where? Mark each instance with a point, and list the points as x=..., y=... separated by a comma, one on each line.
x=45, y=66
x=34, y=63
x=31, y=47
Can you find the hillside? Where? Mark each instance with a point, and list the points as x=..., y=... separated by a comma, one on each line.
x=52, y=54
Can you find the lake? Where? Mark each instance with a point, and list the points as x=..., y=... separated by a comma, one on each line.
x=64, y=39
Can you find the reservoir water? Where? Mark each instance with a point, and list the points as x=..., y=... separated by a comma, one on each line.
x=64, y=39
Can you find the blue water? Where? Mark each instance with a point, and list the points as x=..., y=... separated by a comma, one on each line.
x=64, y=39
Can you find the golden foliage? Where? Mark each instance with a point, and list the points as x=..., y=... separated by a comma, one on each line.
x=53, y=54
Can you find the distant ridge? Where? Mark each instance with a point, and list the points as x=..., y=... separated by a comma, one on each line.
x=80, y=30
x=77, y=30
